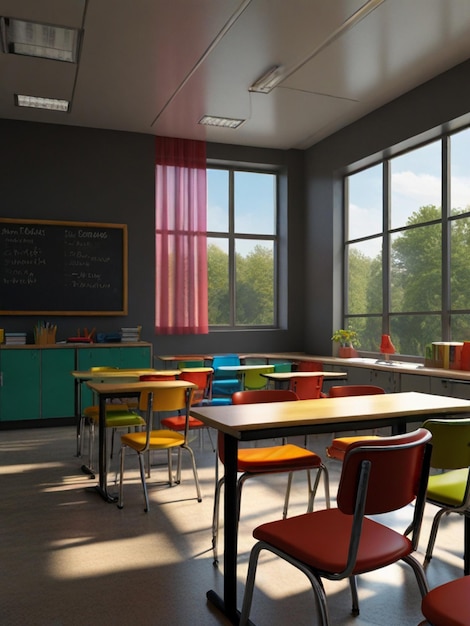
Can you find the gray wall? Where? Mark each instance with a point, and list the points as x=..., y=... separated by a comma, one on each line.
x=440, y=104
x=63, y=173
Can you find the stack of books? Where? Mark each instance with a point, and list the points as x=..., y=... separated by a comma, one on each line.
x=132, y=334
x=15, y=338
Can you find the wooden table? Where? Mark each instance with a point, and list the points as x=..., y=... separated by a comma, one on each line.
x=108, y=391
x=282, y=419
x=281, y=378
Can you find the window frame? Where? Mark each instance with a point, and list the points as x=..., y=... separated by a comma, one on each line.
x=446, y=219
x=231, y=236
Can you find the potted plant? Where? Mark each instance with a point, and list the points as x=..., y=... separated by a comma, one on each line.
x=348, y=340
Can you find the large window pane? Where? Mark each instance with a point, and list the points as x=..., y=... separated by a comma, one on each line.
x=365, y=203
x=460, y=263
x=415, y=185
x=255, y=203
x=416, y=270
x=364, y=262
x=460, y=327
x=217, y=200
x=460, y=172
x=218, y=277
x=369, y=330
x=411, y=333
x=254, y=267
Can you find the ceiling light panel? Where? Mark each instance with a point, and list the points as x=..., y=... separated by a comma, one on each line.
x=40, y=40
x=223, y=122
x=50, y=104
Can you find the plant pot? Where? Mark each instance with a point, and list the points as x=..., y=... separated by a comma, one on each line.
x=347, y=352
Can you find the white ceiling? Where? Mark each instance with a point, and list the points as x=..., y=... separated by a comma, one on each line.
x=157, y=66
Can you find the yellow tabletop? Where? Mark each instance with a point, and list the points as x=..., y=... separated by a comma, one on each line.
x=136, y=387
x=128, y=373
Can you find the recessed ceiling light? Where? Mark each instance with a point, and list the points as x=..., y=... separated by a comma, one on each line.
x=51, y=104
x=224, y=122
x=46, y=41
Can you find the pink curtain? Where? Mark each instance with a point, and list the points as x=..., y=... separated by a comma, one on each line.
x=180, y=237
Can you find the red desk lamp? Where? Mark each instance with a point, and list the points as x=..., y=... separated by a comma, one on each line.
x=386, y=347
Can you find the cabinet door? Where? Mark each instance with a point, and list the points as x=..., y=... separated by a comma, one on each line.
x=20, y=390
x=415, y=382
x=450, y=387
x=135, y=357
x=57, y=385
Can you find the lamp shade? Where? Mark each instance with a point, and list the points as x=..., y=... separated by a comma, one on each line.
x=386, y=345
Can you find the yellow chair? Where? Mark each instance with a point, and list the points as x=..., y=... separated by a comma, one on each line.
x=449, y=489
x=162, y=396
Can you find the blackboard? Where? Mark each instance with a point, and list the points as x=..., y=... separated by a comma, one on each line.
x=62, y=268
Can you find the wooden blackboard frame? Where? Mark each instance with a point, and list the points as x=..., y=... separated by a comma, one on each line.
x=22, y=239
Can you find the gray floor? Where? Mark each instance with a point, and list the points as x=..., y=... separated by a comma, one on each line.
x=69, y=558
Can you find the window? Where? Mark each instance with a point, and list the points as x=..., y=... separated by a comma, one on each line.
x=407, y=237
x=241, y=247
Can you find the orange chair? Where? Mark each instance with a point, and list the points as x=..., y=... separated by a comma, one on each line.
x=448, y=605
x=270, y=460
x=202, y=377
x=309, y=366
x=337, y=448
x=343, y=542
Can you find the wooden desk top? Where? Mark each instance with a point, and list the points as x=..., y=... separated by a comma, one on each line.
x=121, y=373
x=289, y=375
x=235, y=419
x=148, y=385
x=244, y=368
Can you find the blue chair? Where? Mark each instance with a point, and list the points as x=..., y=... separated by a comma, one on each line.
x=225, y=383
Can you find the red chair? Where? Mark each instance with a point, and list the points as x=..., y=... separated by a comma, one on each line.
x=343, y=542
x=309, y=366
x=338, y=446
x=448, y=605
x=308, y=387
x=269, y=460
x=202, y=377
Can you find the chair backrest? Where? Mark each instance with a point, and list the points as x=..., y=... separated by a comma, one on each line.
x=282, y=367
x=164, y=399
x=202, y=377
x=450, y=443
x=394, y=467
x=255, y=397
x=307, y=388
x=254, y=379
x=340, y=391
x=309, y=366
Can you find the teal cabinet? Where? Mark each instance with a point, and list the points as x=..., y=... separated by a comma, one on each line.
x=20, y=385
x=57, y=385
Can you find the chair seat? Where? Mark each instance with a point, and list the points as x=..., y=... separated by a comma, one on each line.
x=448, y=605
x=328, y=534
x=178, y=422
x=276, y=459
x=159, y=440
x=337, y=448
x=448, y=487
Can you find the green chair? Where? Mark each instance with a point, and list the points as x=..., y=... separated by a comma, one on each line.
x=254, y=379
x=448, y=489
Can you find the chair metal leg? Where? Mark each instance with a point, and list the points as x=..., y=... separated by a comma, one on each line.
x=433, y=534
x=170, y=467
x=121, y=474
x=315, y=581
x=322, y=470
x=142, y=478
x=196, y=478
x=355, y=597
x=215, y=518
x=288, y=488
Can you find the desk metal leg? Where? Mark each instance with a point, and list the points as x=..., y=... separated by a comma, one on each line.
x=102, y=486
x=228, y=604
x=466, y=556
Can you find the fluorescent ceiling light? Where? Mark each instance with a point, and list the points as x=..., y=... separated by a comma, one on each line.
x=268, y=81
x=58, y=43
x=224, y=122
x=51, y=104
